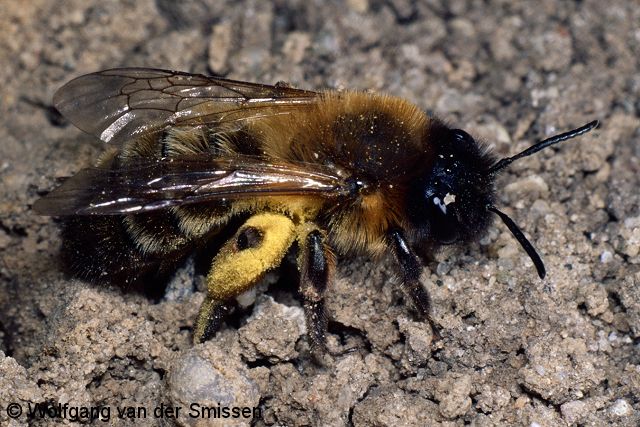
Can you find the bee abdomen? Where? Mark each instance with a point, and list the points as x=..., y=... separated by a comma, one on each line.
x=155, y=233
x=120, y=249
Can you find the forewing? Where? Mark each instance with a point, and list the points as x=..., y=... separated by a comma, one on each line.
x=148, y=186
x=118, y=104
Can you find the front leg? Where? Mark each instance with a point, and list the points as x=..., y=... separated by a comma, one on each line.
x=258, y=246
x=410, y=269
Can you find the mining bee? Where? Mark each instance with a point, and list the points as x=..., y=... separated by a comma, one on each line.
x=325, y=172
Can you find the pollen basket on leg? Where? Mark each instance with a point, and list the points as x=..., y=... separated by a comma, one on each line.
x=258, y=246
x=236, y=269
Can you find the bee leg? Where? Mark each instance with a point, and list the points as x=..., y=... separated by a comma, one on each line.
x=315, y=262
x=410, y=269
x=258, y=246
x=212, y=312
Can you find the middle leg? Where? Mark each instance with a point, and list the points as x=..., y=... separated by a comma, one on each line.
x=316, y=263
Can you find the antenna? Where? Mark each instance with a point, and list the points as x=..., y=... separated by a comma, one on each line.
x=501, y=164
x=520, y=237
x=542, y=145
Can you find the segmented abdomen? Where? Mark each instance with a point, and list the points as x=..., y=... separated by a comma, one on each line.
x=129, y=249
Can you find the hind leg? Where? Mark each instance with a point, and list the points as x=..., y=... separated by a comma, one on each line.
x=258, y=246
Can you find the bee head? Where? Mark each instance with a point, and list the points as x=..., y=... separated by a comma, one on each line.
x=452, y=202
x=446, y=203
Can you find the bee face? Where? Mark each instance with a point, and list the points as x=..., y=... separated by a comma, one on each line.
x=448, y=203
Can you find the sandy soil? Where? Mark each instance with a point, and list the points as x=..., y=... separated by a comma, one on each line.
x=515, y=350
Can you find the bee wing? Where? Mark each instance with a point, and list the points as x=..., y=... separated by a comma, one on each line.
x=153, y=185
x=121, y=103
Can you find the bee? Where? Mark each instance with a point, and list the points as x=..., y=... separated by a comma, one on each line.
x=325, y=172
